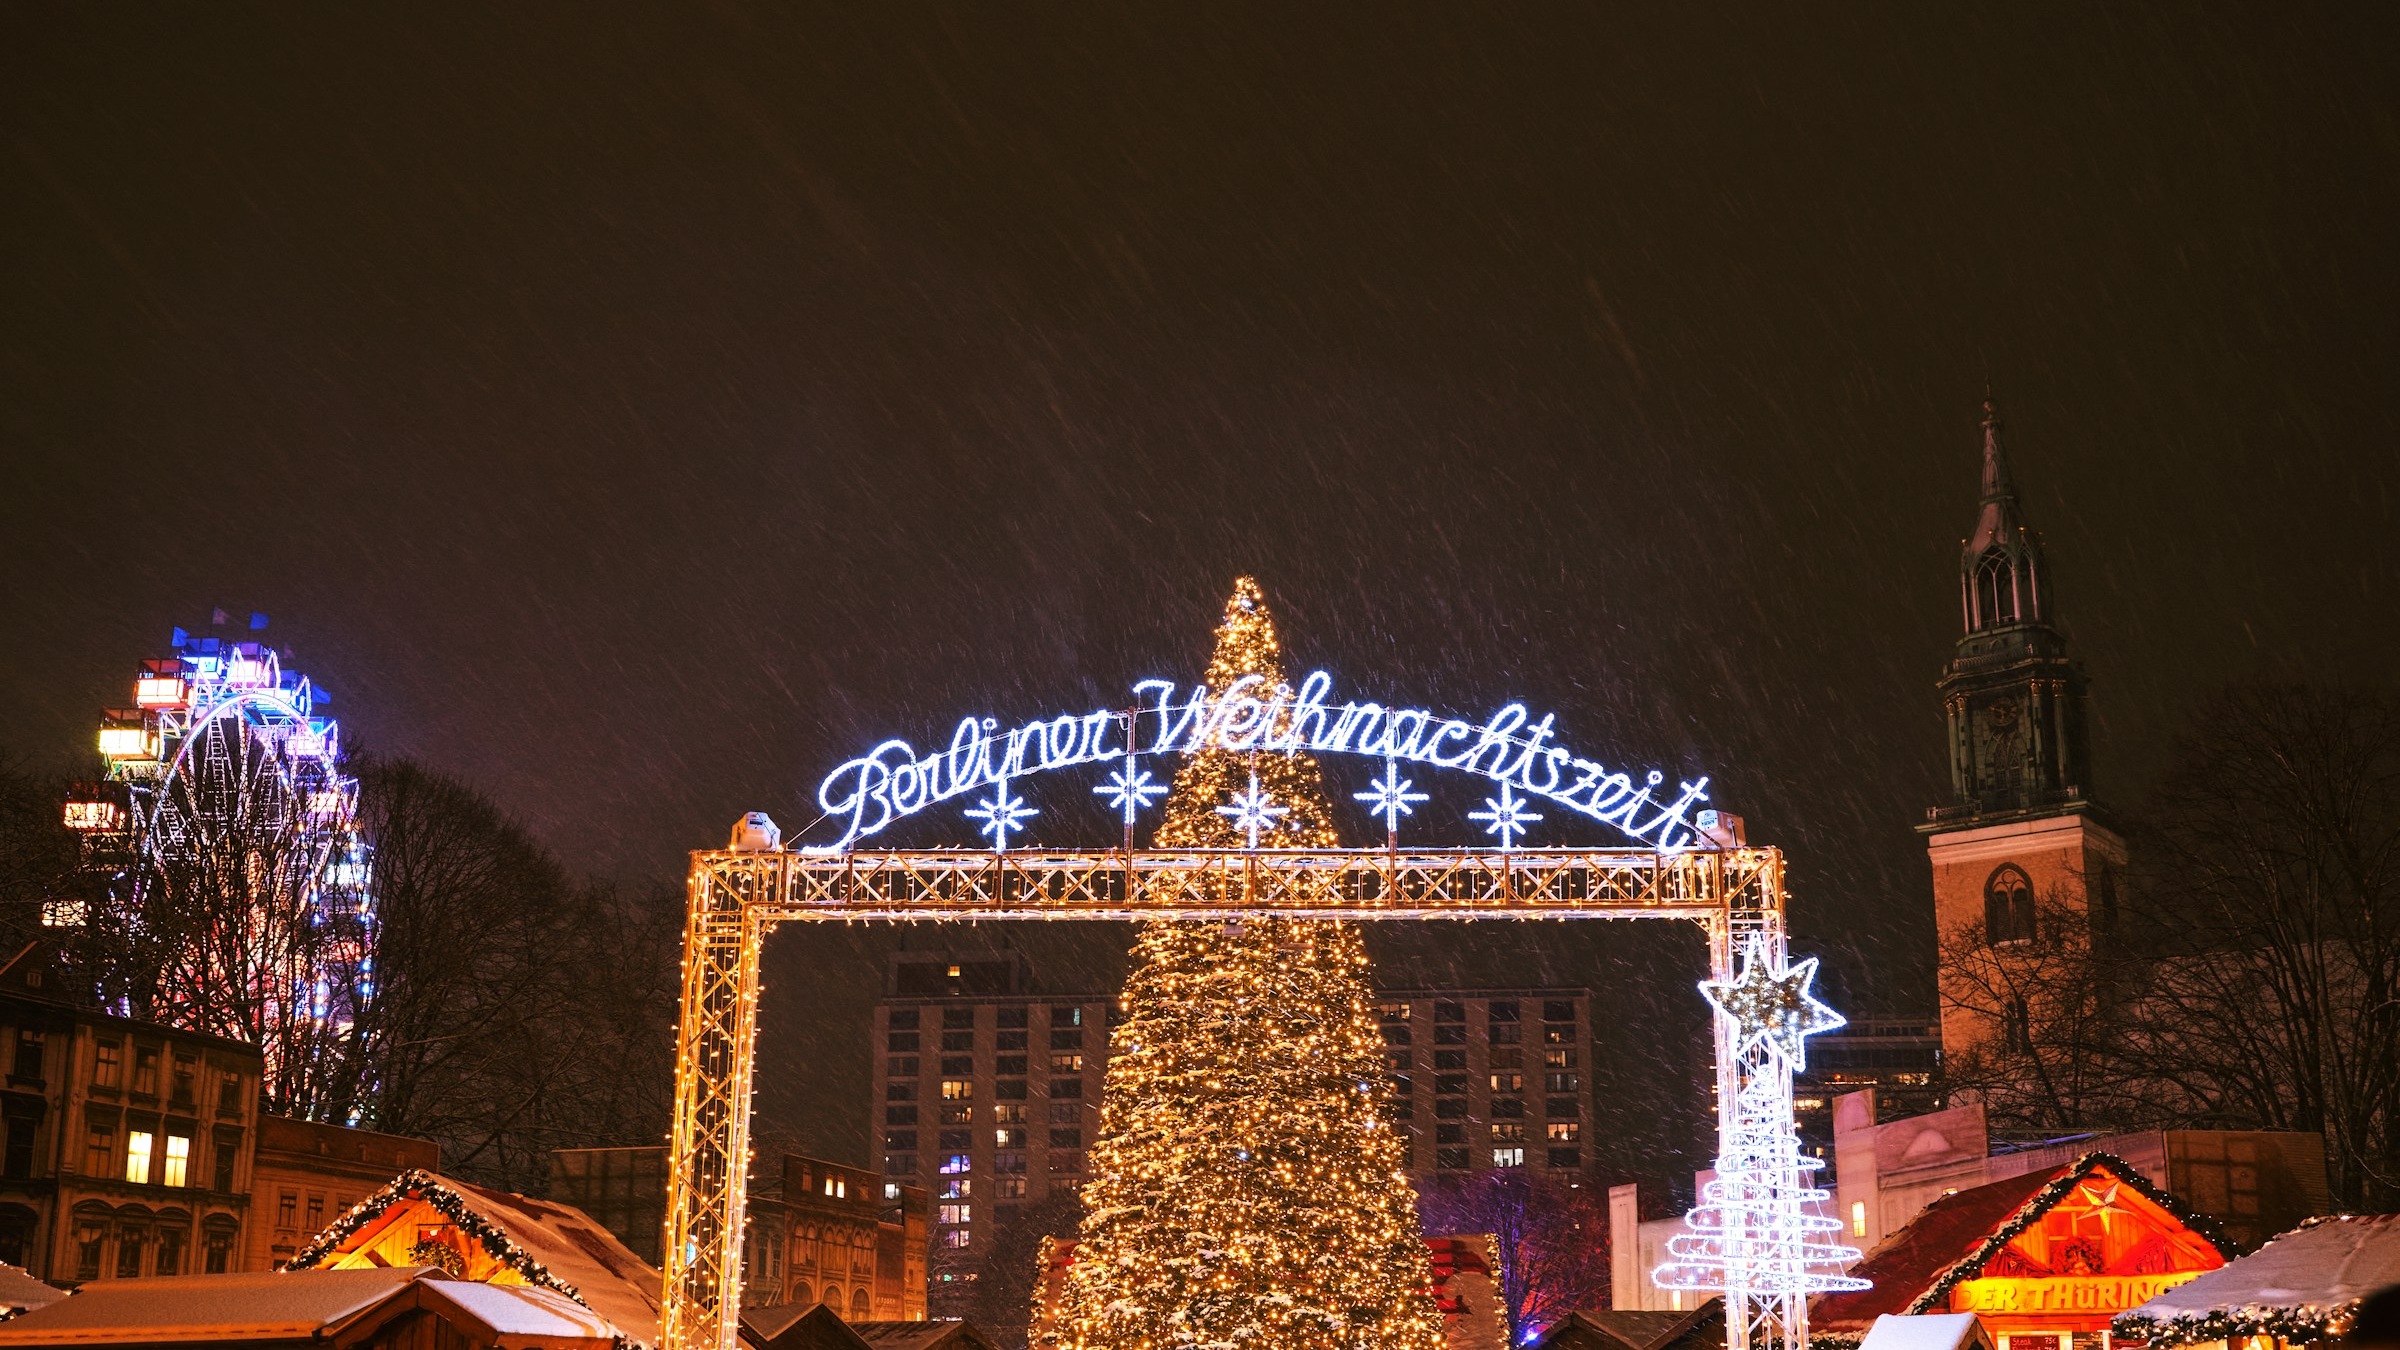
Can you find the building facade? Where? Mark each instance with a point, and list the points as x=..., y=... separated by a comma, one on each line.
x=987, y=1092
x=303, y=1175
x=816, y=1231
x=1899, y=1057
x=2020, y=836
x=127, y=1145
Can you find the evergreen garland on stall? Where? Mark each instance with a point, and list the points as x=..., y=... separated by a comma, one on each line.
x=2294, y=1325
x=419, y=1184
x=1936, y=1297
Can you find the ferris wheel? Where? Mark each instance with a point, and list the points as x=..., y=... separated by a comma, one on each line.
x=228, y=838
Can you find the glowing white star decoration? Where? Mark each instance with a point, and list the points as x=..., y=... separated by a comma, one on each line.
x=1003, y=813
x=1130, y=790
x=1507, y=817
x=1390, y=796
x=1254, y=812
x=1772, y=1007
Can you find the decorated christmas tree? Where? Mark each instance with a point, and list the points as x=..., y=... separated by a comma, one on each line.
x=1248, y=1189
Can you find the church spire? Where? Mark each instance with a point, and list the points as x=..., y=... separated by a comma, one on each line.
x=2002, y=579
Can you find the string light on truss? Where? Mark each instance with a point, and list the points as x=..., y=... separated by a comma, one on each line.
x=1253, y=812
x=1130, y=791
x=1003, y=813
x=1390, y=798
x=1507, y=816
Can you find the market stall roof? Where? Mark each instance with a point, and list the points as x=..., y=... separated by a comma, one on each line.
x=2302, y=1285
x=932, y=1335
x=1953, y=1238
x=1924, y=1331
x=303, y=1307
x=549, y=1245
x=1632, y=1329
x=797, y=1326
x=20, y=1292
x=202, y=1308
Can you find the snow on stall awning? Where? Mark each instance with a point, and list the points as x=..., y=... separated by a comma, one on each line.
x=202, y=1309
x=2302, y=1285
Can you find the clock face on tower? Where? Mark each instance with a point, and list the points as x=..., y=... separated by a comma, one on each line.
x=2003, y=716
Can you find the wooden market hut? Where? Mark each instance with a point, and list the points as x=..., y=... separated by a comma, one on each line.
x=2302, y=1286
x=2043, y=1260
x=494, y=1237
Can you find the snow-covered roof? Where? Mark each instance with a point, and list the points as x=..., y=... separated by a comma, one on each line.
x=20, y=1292
x=200, y=1309
x=2302, y=1285
x=1923, y=1331
x=521, y=1309
x=549, y=1245
x=939, y=1334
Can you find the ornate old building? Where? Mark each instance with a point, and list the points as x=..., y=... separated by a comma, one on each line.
x=2021, y=832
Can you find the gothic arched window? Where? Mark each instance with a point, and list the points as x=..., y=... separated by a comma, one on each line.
x=1995, y=590
x=2007, y=906
x=859, y=1309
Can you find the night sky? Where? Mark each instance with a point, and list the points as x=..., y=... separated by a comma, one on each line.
x=636, y=411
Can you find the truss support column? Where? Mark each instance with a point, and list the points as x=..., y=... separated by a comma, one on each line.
x=709, y=1162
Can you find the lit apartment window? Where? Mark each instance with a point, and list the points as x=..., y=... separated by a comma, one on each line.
x=958, y=1089
x=957, y=1237
x=1566, y=1133
x=958, y=1113
x=1508, y=1157
x=1858, y=1218
x=1008, y=1113
x=137, y=1156
x=1508, y=1133
x=1558, y=1058
x=957, y=1188
x=956, y=1214
x=108, y=1064
x=1066, y=1064
x=179, y=1160
x=1508, y=1082
x=955, y=1163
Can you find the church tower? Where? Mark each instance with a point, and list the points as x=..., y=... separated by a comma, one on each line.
x=2020, y=832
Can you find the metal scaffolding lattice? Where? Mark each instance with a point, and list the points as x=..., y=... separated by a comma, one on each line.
x=736, y=898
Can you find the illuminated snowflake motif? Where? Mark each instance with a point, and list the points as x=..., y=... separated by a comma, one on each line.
x=1507, y=817
x=1254, y=812
x=1129, y=790
x=1003, y=813
x=1390, y=796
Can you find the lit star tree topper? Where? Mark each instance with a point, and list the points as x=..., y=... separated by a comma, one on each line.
x=1247, y=1187
x=1772, y=1006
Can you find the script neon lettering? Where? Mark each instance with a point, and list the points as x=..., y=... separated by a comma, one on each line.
x=866, y=795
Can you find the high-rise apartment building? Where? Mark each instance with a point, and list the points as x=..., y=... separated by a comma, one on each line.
x=987, y=1091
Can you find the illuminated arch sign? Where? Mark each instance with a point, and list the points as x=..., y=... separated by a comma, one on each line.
x=894, y=781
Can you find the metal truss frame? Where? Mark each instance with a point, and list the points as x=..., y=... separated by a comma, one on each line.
x=737, y=898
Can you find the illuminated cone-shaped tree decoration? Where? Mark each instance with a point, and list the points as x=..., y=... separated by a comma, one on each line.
x=1248, y=1188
